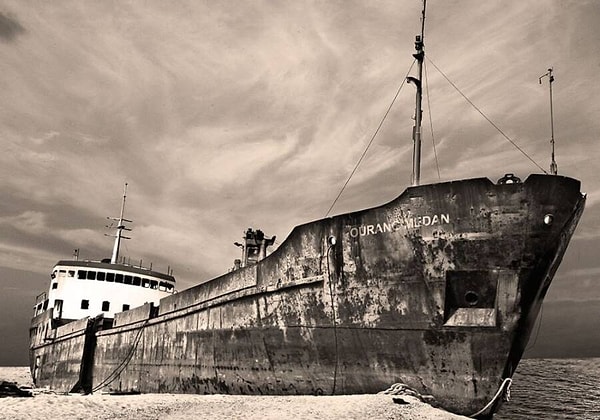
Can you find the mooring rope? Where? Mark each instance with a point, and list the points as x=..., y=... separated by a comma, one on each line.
x=501, y=390
x=117, y=371
x=335, y=370
x=399, y=388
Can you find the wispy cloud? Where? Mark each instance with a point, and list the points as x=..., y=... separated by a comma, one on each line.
x=228, y=115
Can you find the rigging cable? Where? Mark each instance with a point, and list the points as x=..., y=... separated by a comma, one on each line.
x=371, y=141
x=437, y=165
x=486, y=117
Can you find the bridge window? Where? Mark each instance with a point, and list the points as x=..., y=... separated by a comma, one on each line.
x=91, y=275
x=125, y=307
x=101, y=275
x=110, y=277
x=71, y=273
x=128, y=280
x=137, y=281
x=54, y=285
x=81, y=274
x=106, y=306
x=85, y=304
x=153, y=284
x=165, y=287
x=145, y=283
x=119, y=278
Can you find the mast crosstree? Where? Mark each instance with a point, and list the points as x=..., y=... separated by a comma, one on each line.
x=120, y=228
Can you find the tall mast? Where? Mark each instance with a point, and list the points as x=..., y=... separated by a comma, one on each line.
x=553, y=166
x=419, y=55
x=120, y=228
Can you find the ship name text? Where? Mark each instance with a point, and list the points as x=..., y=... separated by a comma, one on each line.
x=407, y=222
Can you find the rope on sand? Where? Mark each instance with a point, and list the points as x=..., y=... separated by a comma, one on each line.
x=402, y=389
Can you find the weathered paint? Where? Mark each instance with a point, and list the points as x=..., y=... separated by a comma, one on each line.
x=446, y=308
x=68, y=341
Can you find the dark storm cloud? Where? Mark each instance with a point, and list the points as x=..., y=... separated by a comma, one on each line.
x=10, y=28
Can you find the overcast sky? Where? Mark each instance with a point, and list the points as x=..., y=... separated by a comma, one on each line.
x=223, y=115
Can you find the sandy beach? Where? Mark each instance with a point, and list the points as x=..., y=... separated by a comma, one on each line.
x=177, y=406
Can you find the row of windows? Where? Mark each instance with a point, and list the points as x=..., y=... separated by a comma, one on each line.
x=85, y=304
x=63, y=273
x=116, y=278
x=42, y=306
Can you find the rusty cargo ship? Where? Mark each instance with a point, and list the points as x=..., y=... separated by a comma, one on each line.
x=438, y=289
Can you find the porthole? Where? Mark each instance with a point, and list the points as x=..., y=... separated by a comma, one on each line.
x=471, y=298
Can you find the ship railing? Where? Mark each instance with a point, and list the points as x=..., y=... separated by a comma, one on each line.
x=128, y=263
x=40, y=298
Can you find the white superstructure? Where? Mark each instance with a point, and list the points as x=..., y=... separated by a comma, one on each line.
x=80, y=289
x=87, y=288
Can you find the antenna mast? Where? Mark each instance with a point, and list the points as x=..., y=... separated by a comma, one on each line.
x=419, y=55
x=553, y=166
x=120, y=228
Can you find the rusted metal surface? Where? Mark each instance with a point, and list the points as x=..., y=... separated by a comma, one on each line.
x=56, y=353
x=437, y=289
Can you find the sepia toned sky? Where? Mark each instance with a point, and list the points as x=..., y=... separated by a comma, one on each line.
x=223, y=115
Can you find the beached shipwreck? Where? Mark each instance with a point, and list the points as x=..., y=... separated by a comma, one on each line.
x=438, y=289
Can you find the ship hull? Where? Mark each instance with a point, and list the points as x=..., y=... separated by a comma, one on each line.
x=438, y=289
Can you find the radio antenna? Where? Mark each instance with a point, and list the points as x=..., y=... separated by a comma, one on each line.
x=553, y=166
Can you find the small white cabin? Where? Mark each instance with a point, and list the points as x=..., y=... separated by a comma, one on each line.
x=90, y=288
